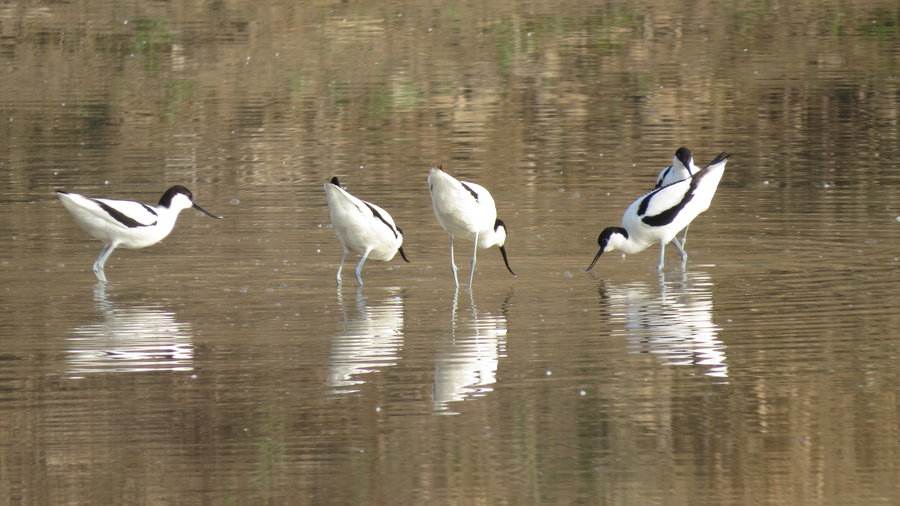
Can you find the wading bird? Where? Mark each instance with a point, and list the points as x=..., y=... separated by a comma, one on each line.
x=466, y=210
x=362, y=227
x=127, y=223
x=682, y=167
x=660, y=214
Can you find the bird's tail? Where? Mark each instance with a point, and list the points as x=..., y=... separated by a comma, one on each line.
x=721, y=157
x=719, y=160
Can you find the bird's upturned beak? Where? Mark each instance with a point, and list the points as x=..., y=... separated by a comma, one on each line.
x=506, y=261
x=204, y=211
x=596, y=257
x=402, y=254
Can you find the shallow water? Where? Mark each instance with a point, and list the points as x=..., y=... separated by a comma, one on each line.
x=224, y=365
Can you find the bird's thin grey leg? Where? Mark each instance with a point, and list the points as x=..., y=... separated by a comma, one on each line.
x=684, y=237
x=359, y=267
x=684, y=255
x=662, y=256
x=453, y=264
x=474, y=254
x=680, y=246
x=341, y=266
x=100, y=263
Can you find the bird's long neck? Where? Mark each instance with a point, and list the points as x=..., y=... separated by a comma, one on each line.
x=166, y=217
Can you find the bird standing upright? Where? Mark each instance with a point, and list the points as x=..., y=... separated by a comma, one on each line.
x=127, y=223
x=682, y=167
x=659, y=215
x=466, y=210
x=362, y=227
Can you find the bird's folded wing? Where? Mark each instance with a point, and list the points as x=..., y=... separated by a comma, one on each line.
x=382, y=216
x=663, y=199
x=127, y=212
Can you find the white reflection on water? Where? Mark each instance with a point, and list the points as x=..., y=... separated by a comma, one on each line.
x=466, y=362
x=672, y=320
x=129, y=339
x=370, y=340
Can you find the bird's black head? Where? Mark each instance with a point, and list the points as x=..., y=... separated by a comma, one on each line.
x=603, y=242
x=498, y=226
x=171, y=197
x=608, y=232
x=603, y=238
x=335, y=181
x=166, y=199
x=502, y=231
x=684, y=156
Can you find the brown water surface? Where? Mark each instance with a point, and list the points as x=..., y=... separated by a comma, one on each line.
x=223, y=366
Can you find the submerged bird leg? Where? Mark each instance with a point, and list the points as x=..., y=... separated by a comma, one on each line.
x=474, y=254
x=341, y=265
x=359, y=267
x=453, y=313
x=453, y=264
x=100, y=263
x=662, y=256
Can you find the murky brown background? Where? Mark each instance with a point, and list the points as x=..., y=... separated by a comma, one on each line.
x=222, y=366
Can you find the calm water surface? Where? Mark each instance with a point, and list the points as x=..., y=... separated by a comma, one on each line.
x=223, y=366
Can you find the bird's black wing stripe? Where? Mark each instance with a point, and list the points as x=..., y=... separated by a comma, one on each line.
x=467, y=187
x=663, y=176
x=121, y=218
x=378, y=215
x=646, y=202
x=667, y=216
x=719, y=158
x=149, y=209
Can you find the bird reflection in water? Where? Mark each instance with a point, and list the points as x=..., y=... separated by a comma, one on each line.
x=673, y=322
x=466, y=362
x=370, y=340
x=129, y=338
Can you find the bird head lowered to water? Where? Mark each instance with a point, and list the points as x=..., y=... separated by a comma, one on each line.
x=609, y=240
x=466, y=210
x=361, y=227
x=659, y=215
x=499, y=238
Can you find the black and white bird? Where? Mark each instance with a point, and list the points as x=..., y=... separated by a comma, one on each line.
x=682, y=167
x=467, y=211
x=127, y=223
x=659, y=215
x=362, y=227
